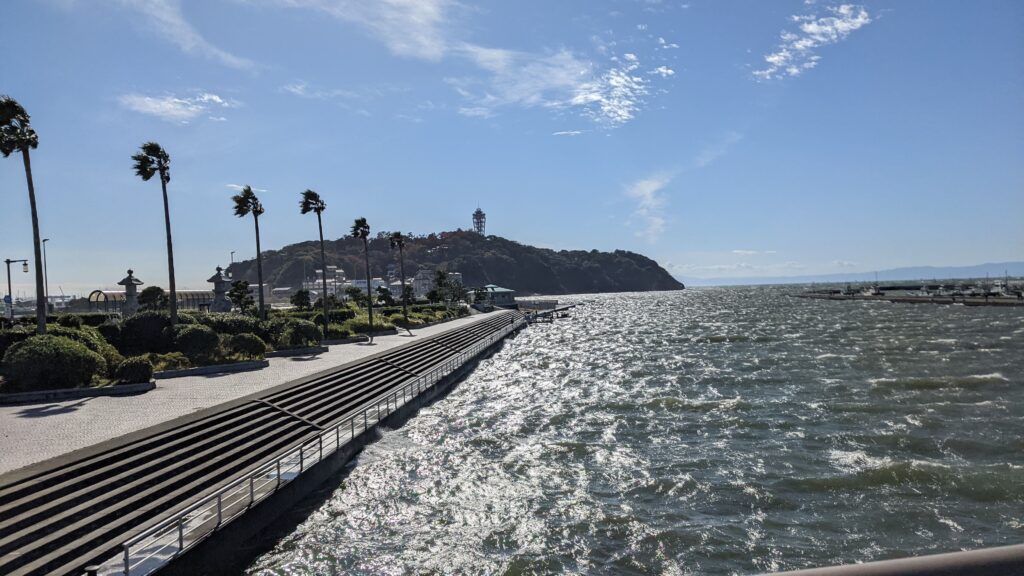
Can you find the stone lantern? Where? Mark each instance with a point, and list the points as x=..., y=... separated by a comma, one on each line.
x=221, y=285
x=131, y=294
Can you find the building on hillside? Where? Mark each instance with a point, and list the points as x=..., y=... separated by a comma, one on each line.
x=498, y=296
x=361, y=284
x=455, y=277
x=335, y=281
x=422, y=283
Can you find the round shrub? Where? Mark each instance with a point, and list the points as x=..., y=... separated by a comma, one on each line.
x=135, y=369
x=47, y=362
x=12, y=336
x=69, y=321
x=196, y=341
x=146, y=332
x=111, y=332
x=337, y=332
x=169, y=361
x=247, y=345
x=299, y=334
x=93, y=340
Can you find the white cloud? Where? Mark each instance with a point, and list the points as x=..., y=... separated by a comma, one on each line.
x=302, y=89
x=175, y=108
x=716, y=150
x=166, y=19
x=650, y=200
x=844, y=264
x=410, y=28
x=663, y=71
x=558, y=80
x=665, y=44
x=745, y=252
x=796, y=53
x=569, y=132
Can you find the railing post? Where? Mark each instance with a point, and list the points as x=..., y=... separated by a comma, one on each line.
x=302, y=458
x=320, y=442
x=220, y=513
x=127, y=561
x=181, y=533
x=252, y=491
x=278, y=463
x=337, y=438
x=352, y=421
x=364, y=419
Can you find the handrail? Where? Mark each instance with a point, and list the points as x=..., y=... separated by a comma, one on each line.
x=999, y=561
x=215, y=510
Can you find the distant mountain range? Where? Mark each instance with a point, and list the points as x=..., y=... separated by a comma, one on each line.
x=480, y=259
x=992, y=269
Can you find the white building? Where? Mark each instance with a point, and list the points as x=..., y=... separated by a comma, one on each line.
x=498, y=296
x=335, y=281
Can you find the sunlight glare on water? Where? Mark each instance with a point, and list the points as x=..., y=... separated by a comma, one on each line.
x=712, y=431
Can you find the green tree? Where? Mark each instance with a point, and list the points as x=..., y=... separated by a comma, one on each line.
x=247, y=203
x=361, y=230
x=384, y=296
x=356, y=295
x=153, y=298
x=398, y=241
x=479, y=295
x=17, y=135
x=150, y=161
x=240, y=295
x=442, y=287
x=311, y=202
x=301, y=300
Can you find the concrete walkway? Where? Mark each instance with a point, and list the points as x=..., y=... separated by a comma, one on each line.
x=38, y=432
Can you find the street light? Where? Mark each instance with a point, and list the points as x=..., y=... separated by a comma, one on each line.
x=10, y=295
x=232, y=256
x=46, y=277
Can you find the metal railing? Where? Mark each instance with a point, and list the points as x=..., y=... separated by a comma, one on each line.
x=182, y=529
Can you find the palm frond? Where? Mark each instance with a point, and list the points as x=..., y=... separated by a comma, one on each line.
x=247, y=203
x=16, y=131
x=151, y=159
x=311, y=202
x=397, y=240
x=360, y=228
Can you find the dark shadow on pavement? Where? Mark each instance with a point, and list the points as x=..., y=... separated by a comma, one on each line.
x=304, y=358
x=51, y=410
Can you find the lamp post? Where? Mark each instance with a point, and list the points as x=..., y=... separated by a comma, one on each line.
x=46, y=277
x=232, y=256
x=10, y=295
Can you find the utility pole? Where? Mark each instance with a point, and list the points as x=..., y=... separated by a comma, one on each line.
x=46, y=277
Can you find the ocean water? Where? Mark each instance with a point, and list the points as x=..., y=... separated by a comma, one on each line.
x=710, y=431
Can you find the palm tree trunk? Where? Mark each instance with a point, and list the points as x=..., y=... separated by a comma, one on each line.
x=37, y=245
x=323, y=266
x=259, y=267
x=369, y=293
x=401, y=293
x=170, y=255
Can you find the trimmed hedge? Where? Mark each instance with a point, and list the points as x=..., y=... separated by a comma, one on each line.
x=247, y=345
x=94, y=341
x=12, y=336
x=69, y=321
x=111, y=332
x=231, y=323
x=135, y=369
x=337, y=332
x=169, y=361
x=299, y=334
x=196, y=341
x=146, y=332
x=47, y=362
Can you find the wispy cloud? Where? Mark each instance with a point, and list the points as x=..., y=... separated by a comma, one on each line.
x=797, y=52
x=167, y=20
x=569, y=132
x=716, y=150
x=409, y=28
x=650, y=200
x=303, y=90
x=745, y=252
x=176, y=108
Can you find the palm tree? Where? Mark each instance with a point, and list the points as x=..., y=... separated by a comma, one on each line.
x=152, y=160
x=398, y=241
x=247, y=203
x=311, y=202
x=16, y=134
x=360, y=229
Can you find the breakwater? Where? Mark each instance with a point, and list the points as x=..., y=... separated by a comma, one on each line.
x=133, y=507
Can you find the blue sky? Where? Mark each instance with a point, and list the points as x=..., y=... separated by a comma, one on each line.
x=725, y=138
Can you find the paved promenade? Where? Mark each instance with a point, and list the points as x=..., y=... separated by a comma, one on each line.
x=37, y=432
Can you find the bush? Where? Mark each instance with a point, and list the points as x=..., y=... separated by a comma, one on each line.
x=337, y=316
x=337, y=332
x=146, y=332
x=111, y=332
x=169, y=361
x=299, y=334
x=94, y=341
x=135, y=369
x=12, y=336
x=231, y=323
x=247, y=345
x=69, y=321
x=196, y=341
x=361, y=324
x=48, y=362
